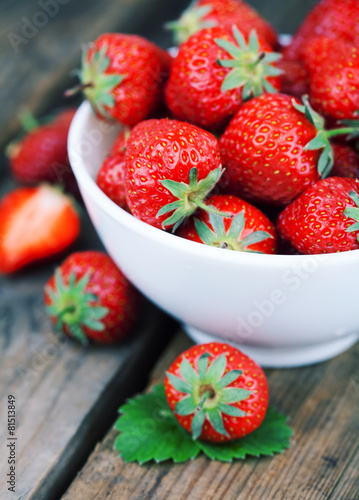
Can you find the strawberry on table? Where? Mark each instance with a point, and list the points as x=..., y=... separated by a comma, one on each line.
x=209, y=13
x=333, y=67
x=171, y=166
x=89, y=298
x=123, y=77
x=215, y=70
x=111, y=176
x=337, y=19
x=274, y=149
x=324, y=219
x=216, y=392
x=41, y=155
x=248, y=230
x=35, y=223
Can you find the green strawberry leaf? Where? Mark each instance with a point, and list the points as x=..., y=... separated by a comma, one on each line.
x=150, y=431
x=273, y=436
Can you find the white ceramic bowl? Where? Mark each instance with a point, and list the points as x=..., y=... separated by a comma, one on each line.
x=281, y=310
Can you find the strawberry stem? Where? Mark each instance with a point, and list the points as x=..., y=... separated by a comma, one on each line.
x=69, y=309
x=206, y=395
x=78, y=88
x=321, y=140
x=260, y=58
x=341, y=131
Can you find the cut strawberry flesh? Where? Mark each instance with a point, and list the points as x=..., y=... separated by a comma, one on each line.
x=35, y=223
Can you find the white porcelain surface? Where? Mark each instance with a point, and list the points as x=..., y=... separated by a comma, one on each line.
x=303, y=307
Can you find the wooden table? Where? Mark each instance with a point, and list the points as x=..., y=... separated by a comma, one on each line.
x=66, y=396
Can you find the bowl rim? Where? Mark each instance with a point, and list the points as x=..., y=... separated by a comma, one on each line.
x=167, y=239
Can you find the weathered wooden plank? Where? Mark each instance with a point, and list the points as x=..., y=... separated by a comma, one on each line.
x=66, y=396
x=36, y=60
x=322, y=404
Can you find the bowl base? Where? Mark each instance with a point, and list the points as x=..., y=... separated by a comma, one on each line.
x=282, y=357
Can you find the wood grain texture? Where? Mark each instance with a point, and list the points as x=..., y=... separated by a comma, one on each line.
x=66, y=395
x=322, y=403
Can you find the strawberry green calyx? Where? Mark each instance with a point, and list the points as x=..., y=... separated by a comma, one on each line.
x=322, y=139
x=191, y=21
x=28, y=123
x=27, y=120
x=75, y=308
x=190, y=197
x=207, y=394
x=230, y=239
x=250, y=66
x=96, y=84
x=353, y=213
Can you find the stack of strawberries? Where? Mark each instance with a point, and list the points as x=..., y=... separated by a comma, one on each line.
x=236, y=134
x=211, y=140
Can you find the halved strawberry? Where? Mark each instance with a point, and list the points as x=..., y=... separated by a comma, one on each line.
x=35, y=223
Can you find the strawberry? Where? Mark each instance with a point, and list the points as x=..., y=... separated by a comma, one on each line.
x=35, y=223
x=324, y=219
x=111, y=176
x=41, y=155
x=123, y=77
x=89, y=298
x=209, y=13
x=248, y=230
x=216, y=392
x=171, y=166
x=334, y=77
x=274, y=149
x=337, y=19
x=294, y=78
x=346, y=161
x=215, y=71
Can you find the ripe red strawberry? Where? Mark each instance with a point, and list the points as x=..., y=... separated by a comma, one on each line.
x=324, y=219
x=89, y=298
x=35, y=223
x=248, y=230
x=334, y=77
x=225, y=13
x=123, y=77
x=263, y=150
x=41, y=155
x=215, y=71
x=216, y=392
x=346, y=161
x=274, y=149
x=337, y=19
x=111, y=176
x=171, y=166
x=294, y=79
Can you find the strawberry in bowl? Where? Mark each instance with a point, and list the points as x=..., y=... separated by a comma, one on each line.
x=199, y=238
x=250, y=299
